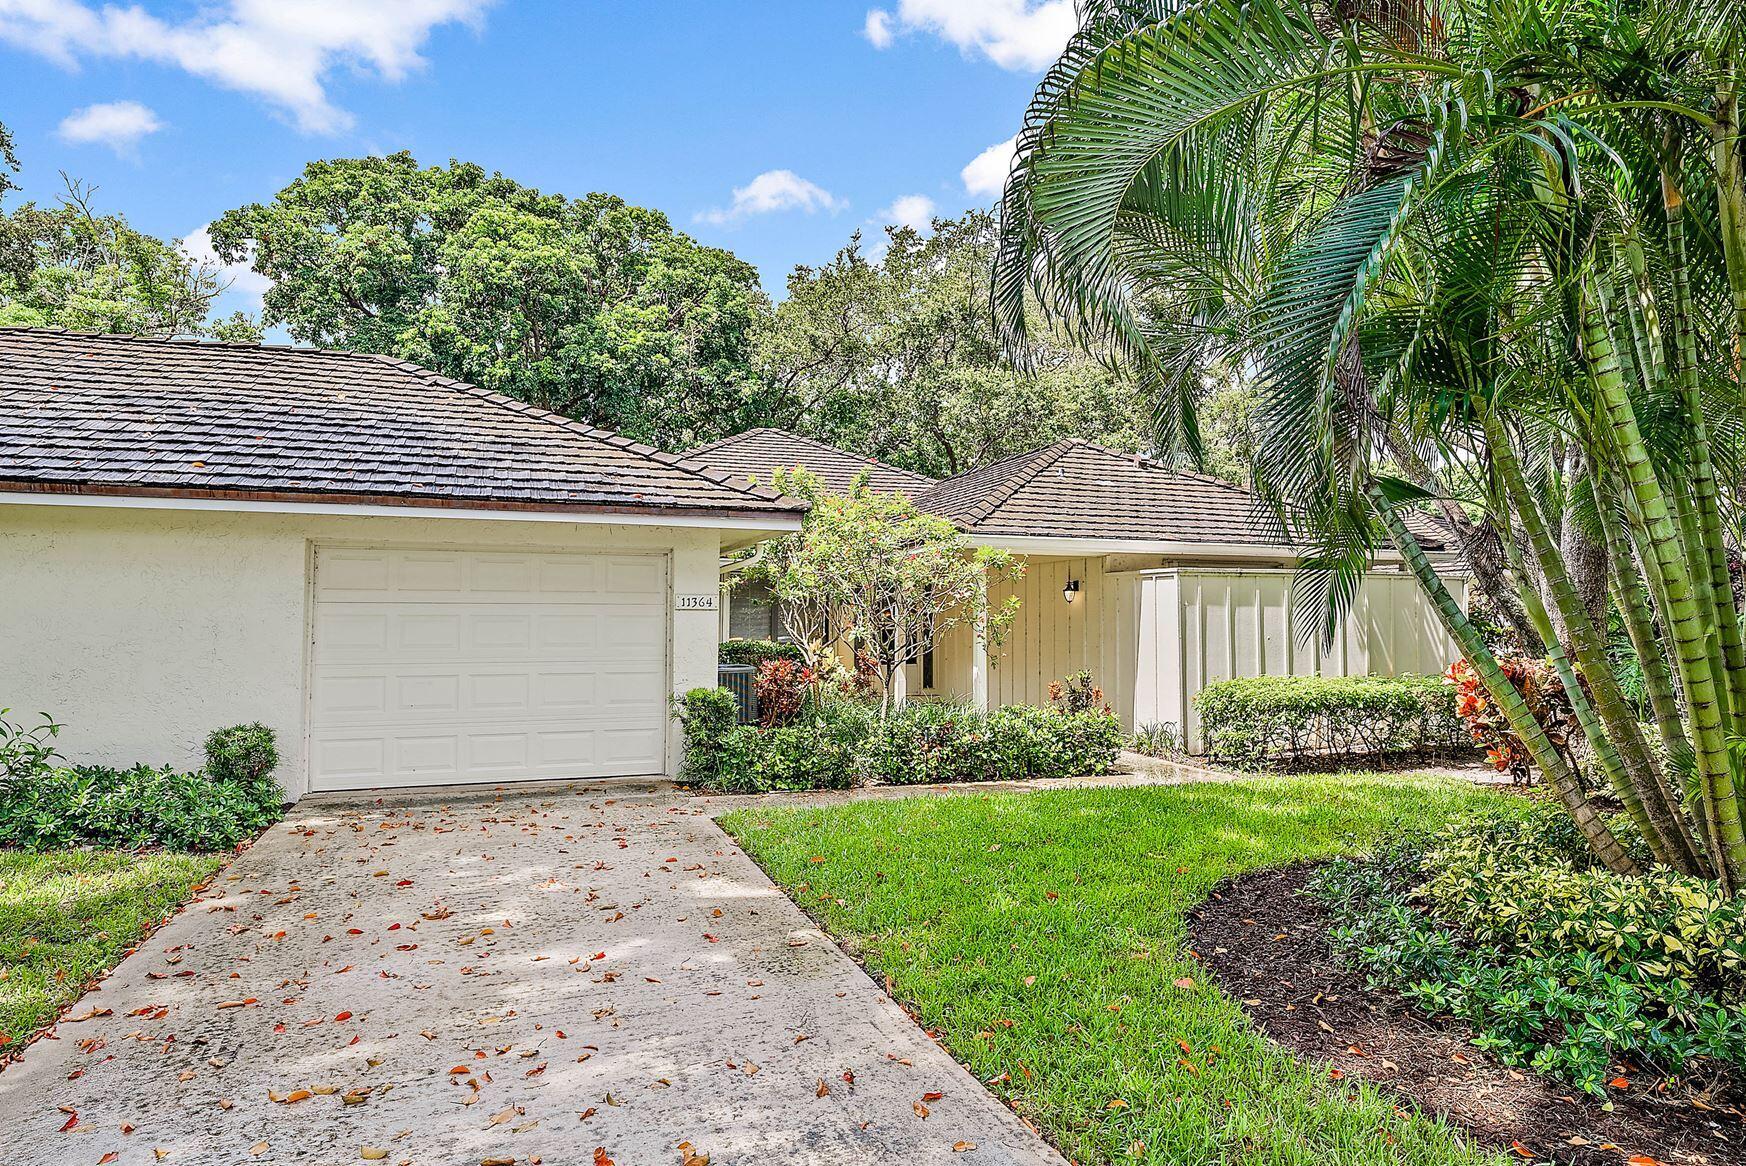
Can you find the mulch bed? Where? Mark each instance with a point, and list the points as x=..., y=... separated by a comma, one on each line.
x=1266, y=946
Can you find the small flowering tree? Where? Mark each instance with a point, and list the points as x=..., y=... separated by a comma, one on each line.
x=869, y=571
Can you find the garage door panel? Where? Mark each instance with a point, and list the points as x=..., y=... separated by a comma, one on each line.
x=431, y=667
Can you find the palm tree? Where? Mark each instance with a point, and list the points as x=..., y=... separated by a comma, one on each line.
x=1487, y=255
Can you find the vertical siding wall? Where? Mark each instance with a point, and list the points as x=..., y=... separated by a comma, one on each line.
x=1204, y=626
x=1051, y=638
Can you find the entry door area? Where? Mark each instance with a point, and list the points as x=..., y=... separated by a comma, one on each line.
x=441, y=666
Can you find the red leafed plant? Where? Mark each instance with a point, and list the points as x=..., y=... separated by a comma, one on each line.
x=1546, y=699
x=781, y=686
x=1077, y=694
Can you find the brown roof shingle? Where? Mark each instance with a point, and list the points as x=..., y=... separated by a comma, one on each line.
x=760, y=452
x=91, y=413
x=1076, y=489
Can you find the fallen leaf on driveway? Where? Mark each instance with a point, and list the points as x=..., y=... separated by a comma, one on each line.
x=921, y=1110
x=689, y=1155
x=258, y=1149
x=601, y=1158
x=92, y=1014
x=960, y=1147
x=372, y=1153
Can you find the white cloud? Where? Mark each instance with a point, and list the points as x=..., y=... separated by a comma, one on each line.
x=278, y=50
x=911, y=210
x=878, y=28
x=1014, y=34
x=772, y=191
x=116, y=124
x=985, y=176
x=245, y=282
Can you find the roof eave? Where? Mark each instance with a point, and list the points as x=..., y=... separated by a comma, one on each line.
x=1182, y=548
x=773, y=519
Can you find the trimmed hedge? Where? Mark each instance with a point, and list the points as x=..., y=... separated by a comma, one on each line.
x=842, y=744
x=1558, y=966
x=1269, y=720
x=755, y=652
x=925, y=744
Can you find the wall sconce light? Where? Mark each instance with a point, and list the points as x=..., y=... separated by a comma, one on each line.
x=1070, y=590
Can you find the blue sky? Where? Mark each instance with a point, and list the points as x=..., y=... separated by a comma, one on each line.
x=854, y=112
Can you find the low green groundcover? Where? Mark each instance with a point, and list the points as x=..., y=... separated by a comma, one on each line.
x=47, y=805
x=1557, y=964
x=1042, y=937
x=67, y=917
x=842, y=743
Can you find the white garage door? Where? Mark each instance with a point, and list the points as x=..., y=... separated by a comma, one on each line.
x=462, y=666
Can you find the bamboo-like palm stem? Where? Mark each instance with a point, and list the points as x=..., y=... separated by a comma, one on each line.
x=1683, y=619
x=1553, y=770
x=1616, y=739
x=1715, y=586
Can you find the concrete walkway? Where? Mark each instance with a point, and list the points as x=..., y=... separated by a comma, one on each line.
x=520, y=978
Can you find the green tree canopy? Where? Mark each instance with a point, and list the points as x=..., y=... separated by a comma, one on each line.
x=869, y=571
x=591, y=307
x=68, y=266
x=896, y=357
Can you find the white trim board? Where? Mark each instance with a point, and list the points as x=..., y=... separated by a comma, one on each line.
x=775, y=523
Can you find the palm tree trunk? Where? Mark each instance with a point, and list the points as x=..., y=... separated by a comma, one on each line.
x=1482, y=546
x=1619, y=746
x=1709, y=554
x=1731, y=193
x=1683, y=619
x=1557, y=775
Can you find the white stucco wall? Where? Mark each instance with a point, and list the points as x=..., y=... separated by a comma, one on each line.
x=143, y=629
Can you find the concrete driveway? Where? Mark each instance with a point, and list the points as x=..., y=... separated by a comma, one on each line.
x=513, y=978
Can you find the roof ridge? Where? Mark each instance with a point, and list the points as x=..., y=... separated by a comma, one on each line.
x=594, y=432
x=815, y=442
x=187, y=341
x=1156, y=464
x=1040, y=460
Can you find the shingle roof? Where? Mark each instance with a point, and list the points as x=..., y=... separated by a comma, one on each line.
x=760, y=452
x=1076, y=489
x=90, y=413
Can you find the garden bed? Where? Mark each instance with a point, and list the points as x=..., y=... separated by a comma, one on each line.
x=1267, y=946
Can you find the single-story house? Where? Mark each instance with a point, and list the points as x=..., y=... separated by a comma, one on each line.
x=1156, y=581
x=412, y=580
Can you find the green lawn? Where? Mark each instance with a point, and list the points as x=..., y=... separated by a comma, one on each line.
x=1042, y=936
x=67, y=916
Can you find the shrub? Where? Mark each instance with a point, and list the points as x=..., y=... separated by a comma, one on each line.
x=242, y=754
x=755, y=652
x=1557, y=965
x=839, y=743
x=782, y=687
x=25, y=751
x=929, y=743
x=707, y=716
x=97, y=805
x=1283, y=719
x=132, y=809
x=819, y=750
x=1076, y=694
x=1542, y=691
